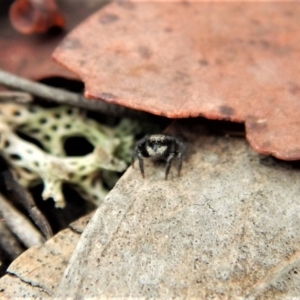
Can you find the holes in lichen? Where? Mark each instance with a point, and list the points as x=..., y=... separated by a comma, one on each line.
x=36, y=163
x=43, y=121
x=94, y=181
x=26, y=170
x=32, y=109
x=68, y=126
x=6, y=144
x=29, y=139
x=22, y=126
x=78, y=146
x=15, y=157
x=16, y=113
x=47, y=137
x=34, y=130
x=69, y=111
x=54, y=127
x=83, y=178
x=57, y=115
x=81, y=168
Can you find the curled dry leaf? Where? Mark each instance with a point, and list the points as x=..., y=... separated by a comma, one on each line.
x=30, y=55
x=35, y=16
x=232, y=61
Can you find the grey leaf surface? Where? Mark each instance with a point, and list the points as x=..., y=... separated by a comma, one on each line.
x=36, y=273
x=228, y=228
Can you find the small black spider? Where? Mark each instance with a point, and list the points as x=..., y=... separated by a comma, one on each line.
x=159, y=146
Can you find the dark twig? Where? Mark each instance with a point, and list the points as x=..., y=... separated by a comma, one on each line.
x=20, y=194
x=69, y=98
x=9, y=243
x=19, y=224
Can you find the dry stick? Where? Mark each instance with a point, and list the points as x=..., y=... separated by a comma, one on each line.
x=9, y=243
x=65, y=97
x=22, y=196
x=19, y=224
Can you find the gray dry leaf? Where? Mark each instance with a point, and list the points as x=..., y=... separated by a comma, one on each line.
x=36, y=273
x=228, y=228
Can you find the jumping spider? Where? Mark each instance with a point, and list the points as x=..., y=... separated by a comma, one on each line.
x=159, y=146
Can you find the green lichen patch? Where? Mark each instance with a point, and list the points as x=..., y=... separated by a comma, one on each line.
x=51, y=127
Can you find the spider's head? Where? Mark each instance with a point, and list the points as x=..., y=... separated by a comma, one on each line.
x=157, y=145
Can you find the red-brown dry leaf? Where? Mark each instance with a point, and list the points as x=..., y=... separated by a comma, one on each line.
x=233, y=61
x=35, y=16
x=30, y=56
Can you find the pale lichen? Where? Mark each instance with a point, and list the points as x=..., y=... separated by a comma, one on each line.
x=50, y=165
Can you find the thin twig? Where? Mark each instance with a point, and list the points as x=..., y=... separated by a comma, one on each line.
x=65, y=97
x=9, y=243
x=21, y=195
x=19, y=225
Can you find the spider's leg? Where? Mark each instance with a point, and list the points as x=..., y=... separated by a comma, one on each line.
x=141, y=163
x=179, y=162
x=181, y=149
x=133, y=156
x=168, y=164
